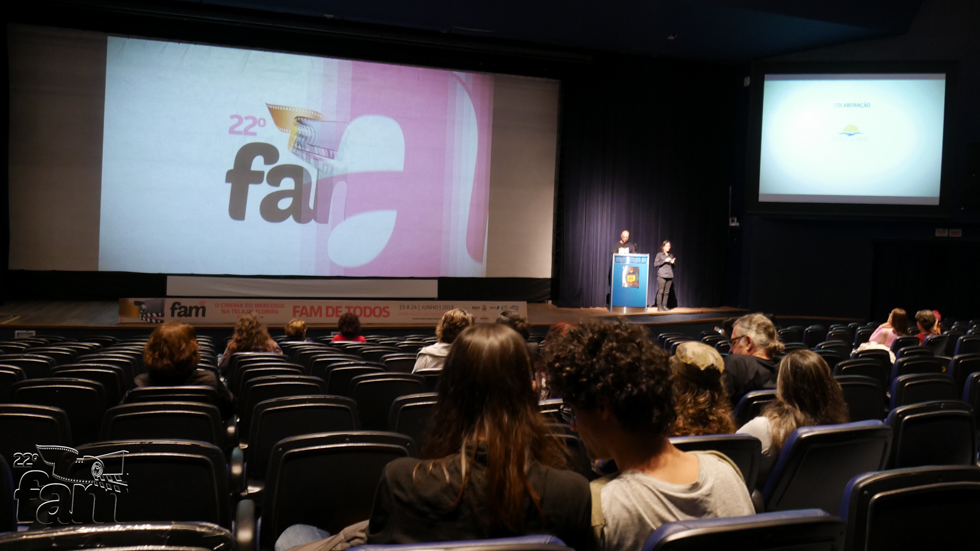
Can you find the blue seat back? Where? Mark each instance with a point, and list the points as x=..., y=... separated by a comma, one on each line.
x=933, y=433
x=817, y=462
x=921, y=387
x=879, y=507
x=750, y=405
x=805, y=530
x=744, y=450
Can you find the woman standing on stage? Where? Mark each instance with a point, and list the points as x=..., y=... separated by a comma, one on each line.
x=664, y=262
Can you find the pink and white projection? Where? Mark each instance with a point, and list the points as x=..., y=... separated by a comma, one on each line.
x=218, y=160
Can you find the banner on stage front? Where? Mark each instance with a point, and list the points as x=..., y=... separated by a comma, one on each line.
x=276, y=311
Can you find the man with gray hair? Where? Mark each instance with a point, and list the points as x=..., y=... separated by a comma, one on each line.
x=750, y=365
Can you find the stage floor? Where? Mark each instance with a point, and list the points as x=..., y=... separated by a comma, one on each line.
x=105, y=314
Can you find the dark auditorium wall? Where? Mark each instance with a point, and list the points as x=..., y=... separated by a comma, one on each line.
x=646, y=145
x=820, y=266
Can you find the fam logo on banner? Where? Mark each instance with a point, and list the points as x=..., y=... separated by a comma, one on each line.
x=58, y=485
x=371, y=312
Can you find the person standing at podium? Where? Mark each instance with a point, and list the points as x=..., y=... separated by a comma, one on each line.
x=624, y=246
x=664, y=262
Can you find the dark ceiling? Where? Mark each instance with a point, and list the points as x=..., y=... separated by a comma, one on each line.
x=719, y=30
x=735, y=30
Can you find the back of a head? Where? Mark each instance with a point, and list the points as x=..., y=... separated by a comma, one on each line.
x=806, y=395
x=616, y=360
x=899, y=321
x=926, y=319
x=296, y=329
x=807, y=383
x=762, y=331
x=349, y=325
x=728, y=326
x=171, y=353
x=701, y=400
x=485, y=383
x=250, y=333
x=452, y=324
x=485, y=397
x=516, y=322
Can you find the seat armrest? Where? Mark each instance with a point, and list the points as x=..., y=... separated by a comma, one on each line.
x=245, y=526
x=231, y=431
x=757, y=502
x=236, y=472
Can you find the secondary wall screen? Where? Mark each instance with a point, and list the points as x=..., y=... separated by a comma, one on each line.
x=220, y=160
x=852, y=138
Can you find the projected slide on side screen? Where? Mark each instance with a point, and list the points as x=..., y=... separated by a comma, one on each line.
x=872, y=139
x=227, y=161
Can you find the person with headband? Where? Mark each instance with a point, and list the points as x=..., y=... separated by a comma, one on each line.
x=702, y=401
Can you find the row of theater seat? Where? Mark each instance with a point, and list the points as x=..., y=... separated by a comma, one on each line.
x=773, y=505
x=328, y=480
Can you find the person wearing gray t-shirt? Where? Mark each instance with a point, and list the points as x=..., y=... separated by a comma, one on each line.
x=617, y=389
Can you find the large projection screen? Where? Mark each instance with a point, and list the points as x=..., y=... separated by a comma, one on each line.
x=861, y=139
x=129, y=154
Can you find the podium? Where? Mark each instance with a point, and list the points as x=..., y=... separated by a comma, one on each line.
x=628, y=287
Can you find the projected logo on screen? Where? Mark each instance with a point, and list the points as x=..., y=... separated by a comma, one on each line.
x=370, y=143
x=390, y=163
x=850, y=130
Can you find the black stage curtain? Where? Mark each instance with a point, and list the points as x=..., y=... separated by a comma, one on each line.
x=646, y=145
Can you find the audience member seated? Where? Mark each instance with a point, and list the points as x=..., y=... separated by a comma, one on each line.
x=927, y=323
x=450, y=326
x=349, y=326
x=296, y=331
x=618, y=392
x=701, y=400
x=726, y=327
x=519, y=323
x=540, y=369
x=896, y=326
x=750, y=365
x=806, y=395
x=250, y=335
x=490, y=467
x=170, y=357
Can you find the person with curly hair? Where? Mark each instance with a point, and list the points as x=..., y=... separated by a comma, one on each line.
x=702, y=401
x=170, y=357
x=806, y=394
x=250, y=335
x=618, y=396
x=450, y=326
x=751, y=366
x=349, y=326
x=490, y=466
